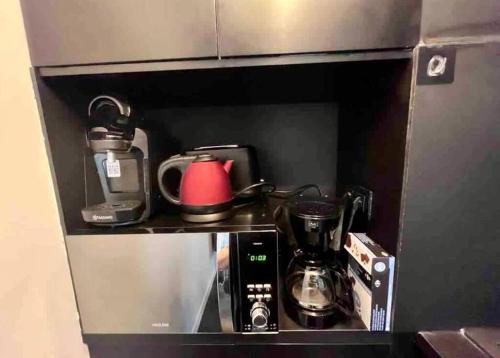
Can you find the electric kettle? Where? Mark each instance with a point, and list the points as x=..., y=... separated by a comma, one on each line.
x=205, y=193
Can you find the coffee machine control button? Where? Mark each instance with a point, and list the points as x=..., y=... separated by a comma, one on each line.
x=260, y=315
x=267, y=297
x=267, y=287
x=259, y=296
x=258, y=287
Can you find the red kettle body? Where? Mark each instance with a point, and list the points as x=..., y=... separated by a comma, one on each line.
x=206, y=182
x=205, y=192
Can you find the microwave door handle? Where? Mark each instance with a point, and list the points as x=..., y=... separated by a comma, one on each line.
x=224, y=282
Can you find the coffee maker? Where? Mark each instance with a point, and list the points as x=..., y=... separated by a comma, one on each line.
x=317, y=290
x=121, y=155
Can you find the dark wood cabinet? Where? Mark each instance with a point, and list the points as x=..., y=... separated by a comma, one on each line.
x=429, y=150
x=449, y=267
x=66, y=32
x=71, y=32
x=262, y=27
x=445, y=21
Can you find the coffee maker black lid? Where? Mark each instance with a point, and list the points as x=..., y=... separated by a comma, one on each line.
x=315, y=209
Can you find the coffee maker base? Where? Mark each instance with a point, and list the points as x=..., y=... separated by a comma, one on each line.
x=117, y=213
x=313, y=319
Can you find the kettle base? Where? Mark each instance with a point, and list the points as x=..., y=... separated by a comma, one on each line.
x=207, y=218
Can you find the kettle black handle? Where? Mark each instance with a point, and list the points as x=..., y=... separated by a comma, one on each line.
x=180, y=162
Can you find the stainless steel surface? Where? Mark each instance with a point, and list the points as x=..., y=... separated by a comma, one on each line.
x=223, y=63
x=457, y=20
x=141, y=283
x=260, y=27
x=65, y=32
x=224, y=283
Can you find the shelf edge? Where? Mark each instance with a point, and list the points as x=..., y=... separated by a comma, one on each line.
x=224, y=63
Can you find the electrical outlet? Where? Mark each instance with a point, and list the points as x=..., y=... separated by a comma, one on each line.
x=366, y=196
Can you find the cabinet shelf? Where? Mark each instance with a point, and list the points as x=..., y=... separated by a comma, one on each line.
x=257, y=216
x=304, y=337
x=153, y=66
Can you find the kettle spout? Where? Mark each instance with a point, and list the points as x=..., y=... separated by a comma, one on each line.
x=228, y=165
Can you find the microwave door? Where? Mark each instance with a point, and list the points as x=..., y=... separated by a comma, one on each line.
x=224, y=288
x=145, y=283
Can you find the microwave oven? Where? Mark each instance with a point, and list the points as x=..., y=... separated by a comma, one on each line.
x=177, y=282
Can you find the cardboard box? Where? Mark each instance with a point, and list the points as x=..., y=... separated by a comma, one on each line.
x=371, y=272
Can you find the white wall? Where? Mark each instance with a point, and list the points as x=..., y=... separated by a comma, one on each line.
x=38, y=316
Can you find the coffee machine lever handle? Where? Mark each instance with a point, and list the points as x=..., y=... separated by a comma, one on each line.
x=180, y=162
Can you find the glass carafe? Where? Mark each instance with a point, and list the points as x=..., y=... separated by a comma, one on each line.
x=318, y=284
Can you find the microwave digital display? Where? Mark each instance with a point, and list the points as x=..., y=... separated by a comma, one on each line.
x=257, y=258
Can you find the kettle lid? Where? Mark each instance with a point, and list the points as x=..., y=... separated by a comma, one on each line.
x=204, y=158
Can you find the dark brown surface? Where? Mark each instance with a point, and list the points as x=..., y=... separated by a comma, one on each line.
x=448, y=344
x=295, y=351
x=449, y=266
x=64, y=132
x=290, y=113
x=226, y=62
x=64, y=32
x=259, y=27
x=374, y=119
x=445, y=21
x=488, y=338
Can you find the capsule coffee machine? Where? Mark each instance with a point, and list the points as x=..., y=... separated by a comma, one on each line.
x=318, y=292
x=121, y=157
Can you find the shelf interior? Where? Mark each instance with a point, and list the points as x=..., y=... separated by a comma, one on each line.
x=334, y=124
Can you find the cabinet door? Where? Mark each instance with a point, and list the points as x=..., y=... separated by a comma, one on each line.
x=459, y=18
x=64, y=32
x=449, y=260
x=258, y=27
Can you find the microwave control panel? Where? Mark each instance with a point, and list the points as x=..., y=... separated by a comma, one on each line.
x=258, y=281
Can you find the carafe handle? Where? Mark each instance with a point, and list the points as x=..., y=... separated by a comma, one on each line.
x=180, y=162
x=345, y=302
